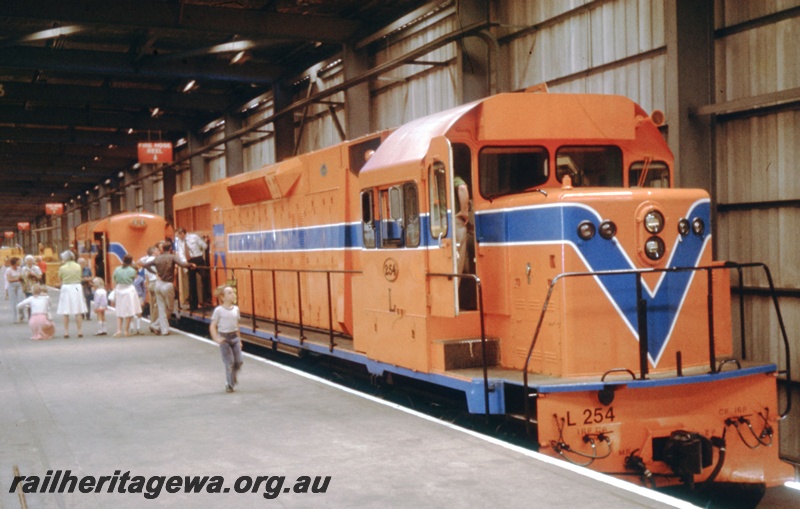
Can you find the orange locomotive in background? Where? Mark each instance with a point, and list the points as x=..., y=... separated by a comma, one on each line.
x=105, y=242
x=590, y=302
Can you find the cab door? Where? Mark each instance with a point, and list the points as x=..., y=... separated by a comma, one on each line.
x=102, y=259
x=441, y=252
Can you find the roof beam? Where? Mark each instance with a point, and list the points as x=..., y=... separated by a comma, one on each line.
x=124, y=97
x=58, y=161
x=157, y=15
x=82, y=117
x=68, y=135
x=110, y=64
x=61, y=176
x=13, y=150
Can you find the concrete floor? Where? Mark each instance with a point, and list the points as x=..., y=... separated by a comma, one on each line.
x=156, y=406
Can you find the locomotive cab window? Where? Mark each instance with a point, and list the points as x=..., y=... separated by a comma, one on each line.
x=438, y=200
x=510, y=170
x=399, y=216
x=590, y=166
x=648, y=174
x=411, y=214
x=367, y=218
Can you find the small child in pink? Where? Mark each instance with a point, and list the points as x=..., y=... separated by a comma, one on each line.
x=41, y=325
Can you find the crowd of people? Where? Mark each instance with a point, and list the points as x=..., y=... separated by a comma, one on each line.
x=153, y=275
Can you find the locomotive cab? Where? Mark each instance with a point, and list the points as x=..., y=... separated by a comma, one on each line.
x=410, y=306
x=524, y=176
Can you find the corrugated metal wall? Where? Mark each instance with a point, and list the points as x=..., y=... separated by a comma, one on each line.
x=757, y=171
x=416, y=90
x=609, y=47
x=319, y=128
x=259, y=146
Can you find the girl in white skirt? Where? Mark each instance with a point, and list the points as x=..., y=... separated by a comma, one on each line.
x=71, y=301
x=126, y=299
x=100, y=303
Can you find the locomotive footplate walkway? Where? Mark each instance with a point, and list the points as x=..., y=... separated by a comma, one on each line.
x=103, y=422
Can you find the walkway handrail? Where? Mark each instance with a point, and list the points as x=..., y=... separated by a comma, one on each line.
x=252, y=270
x=642, y=325
x=479, y=289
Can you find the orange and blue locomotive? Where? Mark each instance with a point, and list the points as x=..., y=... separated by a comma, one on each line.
x=105, y=242
x=577, y=291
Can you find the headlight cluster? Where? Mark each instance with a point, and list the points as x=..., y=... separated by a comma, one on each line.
x=654, y=247
x=654, y=223
x=587, y=230
x=697, y=226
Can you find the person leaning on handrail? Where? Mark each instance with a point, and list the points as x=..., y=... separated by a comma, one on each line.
x=151, y=280
x=195, y=253
x=165, y=289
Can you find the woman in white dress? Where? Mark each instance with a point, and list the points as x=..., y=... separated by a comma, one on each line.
x=71, y=301
x=126, y=299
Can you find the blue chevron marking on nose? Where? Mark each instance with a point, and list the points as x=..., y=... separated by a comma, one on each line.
x=551, y=224
x=117, y=250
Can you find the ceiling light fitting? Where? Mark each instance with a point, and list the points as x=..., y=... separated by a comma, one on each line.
x=190, y=85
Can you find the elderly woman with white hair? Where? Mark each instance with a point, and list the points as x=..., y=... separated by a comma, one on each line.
x=71, y=301
x=31, y=276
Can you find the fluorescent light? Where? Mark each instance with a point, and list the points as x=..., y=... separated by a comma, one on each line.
x=51, y=33
x=230, y=47
x=793, y=485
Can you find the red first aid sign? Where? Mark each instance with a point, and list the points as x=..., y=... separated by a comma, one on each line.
x=155, y=152
x=23, y=226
